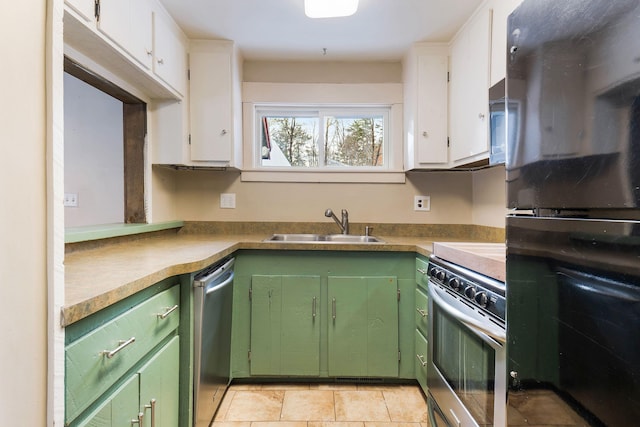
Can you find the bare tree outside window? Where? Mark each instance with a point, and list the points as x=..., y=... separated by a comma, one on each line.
x=321, y=139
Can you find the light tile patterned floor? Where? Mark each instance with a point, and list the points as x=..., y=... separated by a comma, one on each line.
x=322, y=405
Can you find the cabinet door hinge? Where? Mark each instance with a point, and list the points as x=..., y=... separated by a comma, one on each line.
x=447, y=141
x=448, y=77
x=96, y=9
x=398, y=294
x=398, y=355
x=249, y=355
x=189, y=139
x=250, y=293
x=188, y=74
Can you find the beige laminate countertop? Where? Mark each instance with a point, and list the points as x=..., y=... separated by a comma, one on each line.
x=97, y=278
x=485, y=258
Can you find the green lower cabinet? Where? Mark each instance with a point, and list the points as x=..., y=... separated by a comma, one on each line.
x=363, y=326
x=119, y=409
x=150, y=396
x=421, y=360
x=285, y=325
x=159, y=387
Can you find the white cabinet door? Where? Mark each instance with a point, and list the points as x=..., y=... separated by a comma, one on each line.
x=432, y=120
x=84, y=8
x=129, y=24
x=114, y=21
x=211, y=104
x=425, y=106
x=469, y=91
x=142, y=32
x=170, y=62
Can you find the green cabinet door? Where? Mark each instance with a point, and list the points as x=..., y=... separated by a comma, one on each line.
x=119, y=409
x=363, y=326
x=159, y=387
x=285, y=325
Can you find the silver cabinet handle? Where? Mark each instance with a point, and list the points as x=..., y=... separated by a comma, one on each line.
x=139, y=420
x=481, y=116
x=122, y=344
x=149, y=52
x=313, y=308
x=160, y=61
x=421, y=360
x=168, y=311
x=152, y=406
x=425, y=134
x=422, y=271
x=223, y=132
x=333, y=308
x=423, y=313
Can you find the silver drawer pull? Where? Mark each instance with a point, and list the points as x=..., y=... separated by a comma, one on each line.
x=152, y=406
x=420, y=270
x=421, y=360
x=423, y=313
x=168, y=312
x=122, y=344
x=139, y=420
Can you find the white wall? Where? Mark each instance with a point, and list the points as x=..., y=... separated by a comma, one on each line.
x=93, y=154
x=489, y=197
x=23, y=215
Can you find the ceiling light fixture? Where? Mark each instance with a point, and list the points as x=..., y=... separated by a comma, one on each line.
x=330, y=8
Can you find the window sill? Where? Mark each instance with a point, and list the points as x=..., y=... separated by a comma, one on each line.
x=386, y=177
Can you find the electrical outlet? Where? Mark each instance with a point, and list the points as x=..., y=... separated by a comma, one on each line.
x=228, y=201
x=422, y=203
x=70, y=200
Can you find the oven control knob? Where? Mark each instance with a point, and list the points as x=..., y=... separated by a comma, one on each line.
x=482, y=299
x=454, y=284
x=470, y=292
x=440, y=275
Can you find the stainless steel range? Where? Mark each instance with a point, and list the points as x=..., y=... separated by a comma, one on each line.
x=466, y=357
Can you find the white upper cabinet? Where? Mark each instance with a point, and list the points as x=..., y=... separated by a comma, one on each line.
x=215, y=103
x=170, y=56
x=425, y=113
x=136, y=39
x=129, y=24
x=84, y=8
x=469, y=85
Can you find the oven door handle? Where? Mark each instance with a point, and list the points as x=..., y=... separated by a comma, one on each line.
x=486, y=328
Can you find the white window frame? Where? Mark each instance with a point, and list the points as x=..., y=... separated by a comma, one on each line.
x=324, y=94
x=321, y=112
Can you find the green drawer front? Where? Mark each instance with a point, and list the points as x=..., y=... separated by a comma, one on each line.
x=89, y=372
x=421, y=360
x=422, y=278
x=422, y=311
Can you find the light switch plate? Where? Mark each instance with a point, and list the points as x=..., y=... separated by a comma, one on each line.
x=228, y=201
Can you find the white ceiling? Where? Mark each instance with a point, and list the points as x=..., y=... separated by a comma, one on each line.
x=381, y=30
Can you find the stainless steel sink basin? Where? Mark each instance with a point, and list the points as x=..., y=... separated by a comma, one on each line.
x=322, y=238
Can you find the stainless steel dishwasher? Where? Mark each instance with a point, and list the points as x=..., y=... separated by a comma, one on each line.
x=213, y=300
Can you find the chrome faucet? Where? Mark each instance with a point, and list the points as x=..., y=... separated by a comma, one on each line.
x=344, y=224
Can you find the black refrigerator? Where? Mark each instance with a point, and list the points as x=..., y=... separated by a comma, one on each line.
x=573, y=231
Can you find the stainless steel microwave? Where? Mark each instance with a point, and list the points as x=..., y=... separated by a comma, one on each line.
x=499, y=132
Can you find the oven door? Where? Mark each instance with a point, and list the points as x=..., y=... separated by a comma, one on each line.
x=466, y=362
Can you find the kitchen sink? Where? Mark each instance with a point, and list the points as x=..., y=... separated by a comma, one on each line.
x=323, y=238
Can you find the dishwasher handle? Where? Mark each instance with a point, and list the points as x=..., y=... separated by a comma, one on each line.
x=214, y=286
x=209, y=275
